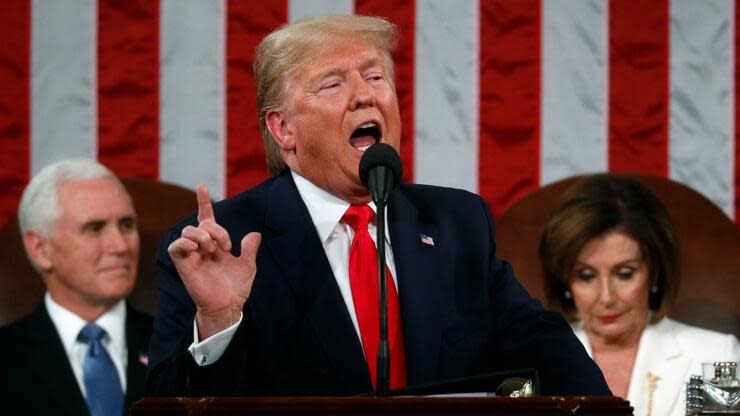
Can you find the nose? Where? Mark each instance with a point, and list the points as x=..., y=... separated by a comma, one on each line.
x=606, y=292
x=115, y=241
x=362, y=93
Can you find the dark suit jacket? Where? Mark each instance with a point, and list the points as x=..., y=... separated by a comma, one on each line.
x=36, y=377
x=463, y=311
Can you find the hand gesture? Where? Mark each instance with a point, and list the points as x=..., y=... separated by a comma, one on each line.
x=218, y=282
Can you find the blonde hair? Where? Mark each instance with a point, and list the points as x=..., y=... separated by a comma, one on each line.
x=285, y=50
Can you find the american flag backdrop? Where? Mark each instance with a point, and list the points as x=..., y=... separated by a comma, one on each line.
x=497, y=96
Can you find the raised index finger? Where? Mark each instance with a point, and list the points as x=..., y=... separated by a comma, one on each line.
x=205, y=208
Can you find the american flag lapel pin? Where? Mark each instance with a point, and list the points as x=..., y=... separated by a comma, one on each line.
x=425, y=239
x=143, y=359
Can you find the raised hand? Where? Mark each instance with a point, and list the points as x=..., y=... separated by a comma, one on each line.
x=218, y=282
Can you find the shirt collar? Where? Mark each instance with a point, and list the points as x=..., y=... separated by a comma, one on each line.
x=69, y=325
x=326, y=210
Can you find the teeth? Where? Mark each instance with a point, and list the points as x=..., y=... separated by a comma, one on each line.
x=367, y=125
x=363, y=148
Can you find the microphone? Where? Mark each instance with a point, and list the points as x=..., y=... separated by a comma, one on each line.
x=380, y=172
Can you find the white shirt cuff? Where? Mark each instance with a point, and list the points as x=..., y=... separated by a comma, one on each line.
x=212, y=348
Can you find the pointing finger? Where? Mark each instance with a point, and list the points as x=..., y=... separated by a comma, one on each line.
x=205, y=208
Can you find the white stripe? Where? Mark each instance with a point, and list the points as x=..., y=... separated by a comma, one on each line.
x=298, y=9
x=733, y=123
x=446, y=94
x=63, y=81
x=701, y=103
x=192, y=94
x=574, y=88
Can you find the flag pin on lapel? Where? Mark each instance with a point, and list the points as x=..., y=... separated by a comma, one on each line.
x=425, y=239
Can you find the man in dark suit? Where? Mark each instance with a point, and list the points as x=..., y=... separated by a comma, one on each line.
x=83, y=350
x=284, y=311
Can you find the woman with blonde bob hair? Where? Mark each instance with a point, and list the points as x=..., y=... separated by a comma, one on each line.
x=610, y=260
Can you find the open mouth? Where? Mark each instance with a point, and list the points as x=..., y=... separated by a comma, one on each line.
x=366, y=135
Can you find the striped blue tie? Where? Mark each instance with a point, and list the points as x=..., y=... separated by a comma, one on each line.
x=104, y=393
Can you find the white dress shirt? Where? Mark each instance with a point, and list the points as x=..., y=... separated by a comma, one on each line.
x=69, y=325
x=326, y=211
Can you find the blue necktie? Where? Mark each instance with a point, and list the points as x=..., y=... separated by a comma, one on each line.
x=104, y=393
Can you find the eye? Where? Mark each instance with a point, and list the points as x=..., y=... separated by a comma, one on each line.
x=127, y=224
x=375, y=76
x=93, y=227
x=625, y=273
x=585, y=275
x=330, y=85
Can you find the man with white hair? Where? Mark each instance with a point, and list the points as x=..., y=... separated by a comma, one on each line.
x=82, y=351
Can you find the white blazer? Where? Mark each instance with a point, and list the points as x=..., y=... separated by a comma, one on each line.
x=669, y=353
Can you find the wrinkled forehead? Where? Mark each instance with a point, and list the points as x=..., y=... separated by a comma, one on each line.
x=93, y=199
x=335, y=56
x=340, y=59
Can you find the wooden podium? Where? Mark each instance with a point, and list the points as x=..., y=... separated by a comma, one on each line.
x=386, y=406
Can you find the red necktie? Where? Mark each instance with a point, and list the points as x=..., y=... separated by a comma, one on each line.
x=363, y=277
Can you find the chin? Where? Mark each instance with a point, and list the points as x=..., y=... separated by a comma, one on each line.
x=615, y=330
x=121, y=287
x=112, y=297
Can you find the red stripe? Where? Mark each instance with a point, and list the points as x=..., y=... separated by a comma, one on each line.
x=510, y=63
x=403, y=15
x=639, y=86
x=737, y=115
x=15, y=129
x=247, y=23
x=128, y=87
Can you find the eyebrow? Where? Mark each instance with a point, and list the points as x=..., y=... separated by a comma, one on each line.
x=618, y=264
x=368, y=62
x=92, y=223
x=97, y=221
x=634, y=260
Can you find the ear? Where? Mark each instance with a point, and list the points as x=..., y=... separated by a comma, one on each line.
x=37, y=248
x=277, y=124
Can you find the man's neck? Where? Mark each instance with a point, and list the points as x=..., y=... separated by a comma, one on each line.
x=85, y=310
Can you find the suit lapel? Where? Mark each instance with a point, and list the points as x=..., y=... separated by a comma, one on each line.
x=49, y=361
x=669, y=364
x=660, y=367
x=423, y=310
x=138, y=330
x=297, y=252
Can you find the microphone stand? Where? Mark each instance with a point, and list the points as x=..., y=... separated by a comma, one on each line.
x=380, y=181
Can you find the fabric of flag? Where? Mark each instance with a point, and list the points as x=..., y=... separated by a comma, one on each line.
x=498, y=97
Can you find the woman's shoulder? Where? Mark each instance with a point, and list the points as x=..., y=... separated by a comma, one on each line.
x=696, y=337
x=668, y=324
